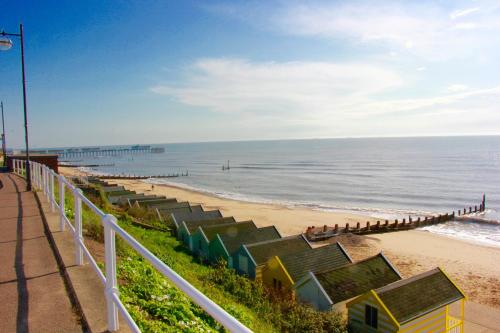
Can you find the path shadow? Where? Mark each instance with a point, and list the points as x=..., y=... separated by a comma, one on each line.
x=22, y=285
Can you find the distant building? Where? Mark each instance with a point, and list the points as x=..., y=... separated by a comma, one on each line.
x=331, y=289
x=282, y=272
x=417, y=304
x=250, y=259
x=202, y=236
x=224, y=246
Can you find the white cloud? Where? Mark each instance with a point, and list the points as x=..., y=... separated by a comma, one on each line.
x=457, y=88
x=423, y=29
x=463, y=12
x=312, y=96
x=235, y=85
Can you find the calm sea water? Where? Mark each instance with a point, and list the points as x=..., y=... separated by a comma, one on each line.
x=383, y=177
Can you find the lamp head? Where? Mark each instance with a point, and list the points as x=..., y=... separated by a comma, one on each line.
x=5, y=43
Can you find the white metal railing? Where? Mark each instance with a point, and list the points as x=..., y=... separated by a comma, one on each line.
x=42, y=178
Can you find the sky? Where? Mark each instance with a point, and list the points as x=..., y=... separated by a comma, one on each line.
x=138, y=72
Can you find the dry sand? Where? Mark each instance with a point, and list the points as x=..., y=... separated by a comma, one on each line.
x=476, y=268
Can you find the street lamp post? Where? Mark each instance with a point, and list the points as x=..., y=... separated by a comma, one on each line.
x=6, y=44
x=4, y=147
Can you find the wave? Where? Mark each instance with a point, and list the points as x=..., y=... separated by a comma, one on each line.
x=472, y=232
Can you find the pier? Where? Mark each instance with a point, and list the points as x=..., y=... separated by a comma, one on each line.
x=321, y=233
x=100, y=152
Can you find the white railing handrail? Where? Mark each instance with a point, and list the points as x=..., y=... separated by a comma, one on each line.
x=43, y=179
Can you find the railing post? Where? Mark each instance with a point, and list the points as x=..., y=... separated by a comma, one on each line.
x=42, y=172
x=78, y=236
x=32, y=173
x=14, y=164
x=62, y=212
x=37, y=176
x=47, y=184
x=37, y=173
x=51, y=194
x=111, y=281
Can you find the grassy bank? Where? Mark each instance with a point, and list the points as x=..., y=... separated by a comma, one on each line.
x=157, y=306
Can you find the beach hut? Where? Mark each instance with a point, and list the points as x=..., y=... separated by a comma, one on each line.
x=417, y=304
x=250, y=259
x=224, y=246
x=178, y=217
x=201, y=237
x=187, y=228
x=332, y=289
x=282, y=272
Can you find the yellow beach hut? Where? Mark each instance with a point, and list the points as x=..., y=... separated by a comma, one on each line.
x=417, y=304
x=282, y=272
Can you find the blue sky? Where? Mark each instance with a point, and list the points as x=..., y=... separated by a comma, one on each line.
x=123, y=72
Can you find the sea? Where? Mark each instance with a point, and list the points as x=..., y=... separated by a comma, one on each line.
x=385, y=178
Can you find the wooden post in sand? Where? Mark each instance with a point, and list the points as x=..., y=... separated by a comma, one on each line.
x=325, y=228
x=396, y=224
x=357, y=226
x=347, y=227
x=404, y=222
x=336, y=229
x=367, y=225
x=378, y=225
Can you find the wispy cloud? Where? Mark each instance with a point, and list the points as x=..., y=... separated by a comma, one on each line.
x=235, y=85
x=314, y=94
x=463, y=12
x=429, y=30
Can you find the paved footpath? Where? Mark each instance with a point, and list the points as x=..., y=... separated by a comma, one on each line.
x=33, y=297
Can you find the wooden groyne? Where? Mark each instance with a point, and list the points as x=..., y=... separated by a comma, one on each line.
x=320, y=233
x=67, y=165
x=173, y=175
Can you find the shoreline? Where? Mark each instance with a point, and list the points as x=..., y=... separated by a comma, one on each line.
x=471, y=264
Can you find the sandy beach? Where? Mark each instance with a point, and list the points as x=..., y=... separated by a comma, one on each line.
x=474, y=267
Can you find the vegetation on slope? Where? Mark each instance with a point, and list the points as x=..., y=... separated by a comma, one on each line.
x=158, y=306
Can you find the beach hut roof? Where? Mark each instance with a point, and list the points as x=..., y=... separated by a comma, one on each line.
x=198, y=215
x=355, y=279
x=233, y=242
x=262, y=251
x=193, y=225
x=231, y=229
x=421, y=294
x=321, y=258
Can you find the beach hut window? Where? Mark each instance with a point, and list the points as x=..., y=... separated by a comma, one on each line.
x=371, y=316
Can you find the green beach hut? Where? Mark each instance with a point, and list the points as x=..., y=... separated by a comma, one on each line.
x=224, y=246
x=178, y=217
x=332, y=289
x=250, y=259
x=201, y=237
x=187, y=228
